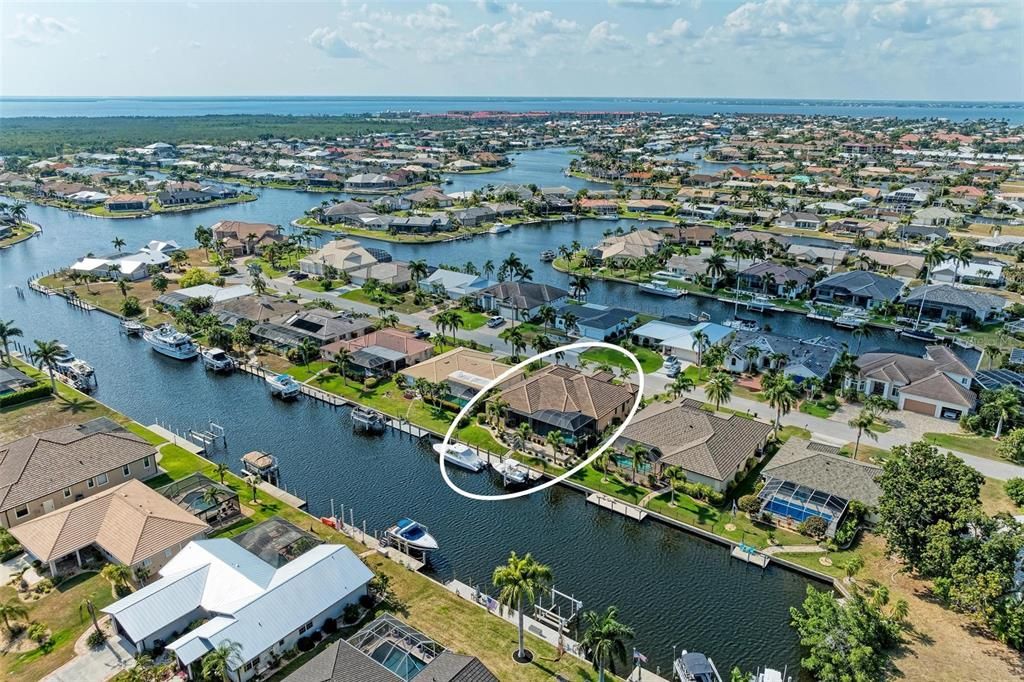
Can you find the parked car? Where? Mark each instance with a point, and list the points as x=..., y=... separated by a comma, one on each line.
x=495, y=321
x=297, y=275
x=421, y=333
x=672, y=360
x=672, y=371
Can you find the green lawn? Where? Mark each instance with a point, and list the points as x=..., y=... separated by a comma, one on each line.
x=470, y=319
x=980, y=446
x=612, y=484
x=816, y=409
x=402, y=303
x=714, y=520
x=649, y=360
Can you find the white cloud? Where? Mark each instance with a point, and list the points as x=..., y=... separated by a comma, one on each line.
x=490, y=6
x=603, y=36
x=679, y=30
x=645, y=4
x=332, y=44
x=35, y=29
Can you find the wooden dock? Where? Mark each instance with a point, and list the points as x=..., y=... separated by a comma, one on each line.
x=283, y=495
x=181, y=441
x=755, y=557
x=610, y=503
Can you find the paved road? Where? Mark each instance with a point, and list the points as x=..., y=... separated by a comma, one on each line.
x=826, y=429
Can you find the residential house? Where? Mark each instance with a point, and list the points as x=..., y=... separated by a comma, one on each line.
x=916, y=233
x=520, y=300
x=431, y=197
x=52, y=469
x=234, y=596
x=347, y=212
x=599, y=206
x=395, y=275
x=559, y=398
x=180, y=297
x=805, y=358
x=678, y=337
x=369, y=181
x=937, y=385
x=943, y=301
x=806, y=479
x=916, y=194
x=905, y=265
x=703, y=211
x=319, y=325
x=858, y=288
x=823, y=255
x=127, y=202
x=129, y=524
x=462, y=370
x=978, y=271
x=594, y=321
x=800, y=219
x=454, y=284
x=253, y=309
x=775, y=279
x=343, y=255
x=244, y=239
x=618, y=249
x=937, y=215
x=712, y=449
x=474, y=216
x=381, y=353
x=698, y=235
x=13, y=379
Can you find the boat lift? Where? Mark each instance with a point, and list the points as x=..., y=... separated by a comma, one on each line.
x=560, y=611
x=209, y=437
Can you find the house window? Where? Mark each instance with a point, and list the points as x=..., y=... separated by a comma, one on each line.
x=67, y=492
x=307, y=626
x=126, y=470
x=145, y=462
x=91, y=483
x=249, y=665
x=21, y=512
x=101, y=479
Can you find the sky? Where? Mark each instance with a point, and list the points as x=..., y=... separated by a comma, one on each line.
x=828, y=49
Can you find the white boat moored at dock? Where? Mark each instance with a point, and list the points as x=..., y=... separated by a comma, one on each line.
x=132, y=327
x=499, y=228
x=692, y=666
x=365, y=418
x=409, y=534
x=660, y=288
x=217, y=360
x=168, y=341
x=461, y=456
x=512, y=472
x=284, y=386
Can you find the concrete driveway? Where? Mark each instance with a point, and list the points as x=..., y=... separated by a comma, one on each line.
x=94, y=665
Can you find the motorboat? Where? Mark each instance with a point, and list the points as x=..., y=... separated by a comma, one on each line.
x=499, y=228
x=460, y=455
x=547, y=256
x=771, y=675
x=692, y=666
x=217, y=360
x=132, y=327
x=76, y=372
x=659, y=288
x=919, y=334
x=284, y=386
x=409, y=534
x=740, y=324
x=371, y=420
x=168, y=341
x=512, y=472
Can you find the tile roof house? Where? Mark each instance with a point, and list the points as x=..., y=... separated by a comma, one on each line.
x=347, y=212
x=241, y=239
x=942, y=301
x=858, y=288
x=520, y=300
x=710, y=448
x=622, y=247
x=806, y=358
x=253, y=309
x=775, y=279
x=937, y=385
x=52, y=469
x=344, y=255
x=319, y=324
x=238, y=597
x=130, y=523
x=906, y=265
x=463, y=370
x=806, y=479
x=566, y=399
x=382, y=352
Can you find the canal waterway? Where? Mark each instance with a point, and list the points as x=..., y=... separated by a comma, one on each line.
x=673, y=588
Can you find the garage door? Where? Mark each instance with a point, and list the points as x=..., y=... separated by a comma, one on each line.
x=919, y=407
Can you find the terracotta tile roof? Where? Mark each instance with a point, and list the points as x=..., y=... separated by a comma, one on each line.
x=131, y=522
x=393, y=339
x=50, y=461
x=564, y=389
x=696, y=440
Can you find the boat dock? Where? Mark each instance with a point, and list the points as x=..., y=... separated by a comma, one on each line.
x=750, y=555
x=283, y=495
x=610, y=503
x=181, y=441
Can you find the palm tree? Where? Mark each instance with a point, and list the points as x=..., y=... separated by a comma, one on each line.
x=18, y=211
x=12, y=610
x=719, y=388
x=556, y=439
x=258, y=284
x=676, y=478
x=46, y=354
x=863, y=422
x=637, y=453
x=716, y=268
x=253, y=481
x=513, y=336
x=701, y=341
x=546, y=315
x=1005, y=403
x=853, y=566
x=604, y=641
x=681, y=384
x=307, y=349
x=119, y=244
x=488, y=269
x=519, y=580
x=933, y=255
x=118, y=574
x=418, y=270
x=339, y=363
x=222, y=470
x=961, y=254
x=221, y=661
x=7, y=332
x=579, y=286
x=782, y=393
x=860, y=333
x=752, y=354
x=992, y=352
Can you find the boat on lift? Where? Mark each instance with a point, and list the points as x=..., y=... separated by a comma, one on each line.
x=547, y=256
x=693, y=666
x=918, y=334
x=132, y=327
x=168, y=341
x=284, y=386
x=660, y=288
x=741, y=324
x=365, y=418
x=412, y=535
x=461, y=456
x=75, y=372
x=499, y=228
x=511, y=471
x=217, y=360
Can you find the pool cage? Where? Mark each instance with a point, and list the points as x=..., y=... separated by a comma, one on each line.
x=797, y=502
x=398, y=647
x=204, y=498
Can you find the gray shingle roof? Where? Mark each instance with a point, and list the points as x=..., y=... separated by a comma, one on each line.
x=864, y=283
x=342, y=662
x=820, y=467
x=957, y=296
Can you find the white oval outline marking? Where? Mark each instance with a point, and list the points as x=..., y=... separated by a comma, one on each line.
x=580, y=345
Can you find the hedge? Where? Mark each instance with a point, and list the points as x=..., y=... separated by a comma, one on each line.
x=18, y=397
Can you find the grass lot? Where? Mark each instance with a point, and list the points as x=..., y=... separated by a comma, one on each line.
x=401, y=303
x=18, y=234
x=995, y=500
x=714, y=520
x=470, y=320
x=59, y=611
x=108, y=296
x=287, y=261
x=649, y=360
x=980, y=446
x=815, y=409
